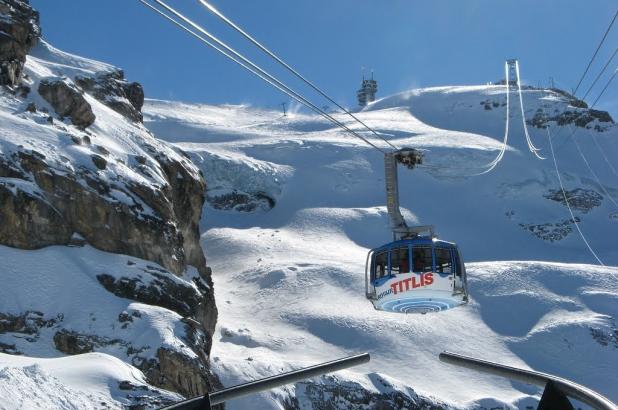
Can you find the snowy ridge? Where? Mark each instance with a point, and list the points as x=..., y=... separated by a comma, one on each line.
x=290, y=281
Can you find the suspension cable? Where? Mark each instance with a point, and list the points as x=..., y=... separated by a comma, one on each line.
x=493, y=164
x=605, y=88
x=229, y=22
x=250, y=66
x=566, y=200
x=594, y=138
x=603, y=155
x=531, y=146
x=596, y=177
x=574, y=130
x=595, y=52
x=600, y=74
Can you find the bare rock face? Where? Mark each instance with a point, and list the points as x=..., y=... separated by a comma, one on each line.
x=28, y=221
x=580, y=199
x=177, y=372
x=331, y=392
x=67, y=101
x=43, y=205
x=113, y=90
x=19, y=32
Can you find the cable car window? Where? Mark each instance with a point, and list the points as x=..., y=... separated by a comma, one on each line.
x=381, y=264
x=444, y=262
x=422, y=259
x=457, y=268
x=400, y=261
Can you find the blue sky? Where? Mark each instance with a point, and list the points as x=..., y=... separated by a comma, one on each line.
x=408, y=43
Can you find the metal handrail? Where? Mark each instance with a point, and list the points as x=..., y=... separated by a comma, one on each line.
x=367, y=278
x=272, y=382
x=566, y=387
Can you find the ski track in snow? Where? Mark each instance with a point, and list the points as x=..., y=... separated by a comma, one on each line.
x=290, y=282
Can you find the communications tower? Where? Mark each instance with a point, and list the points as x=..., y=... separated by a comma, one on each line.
x=368, y=90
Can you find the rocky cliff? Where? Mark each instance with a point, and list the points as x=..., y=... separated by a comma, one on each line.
x=78, y=168
x=19, y=32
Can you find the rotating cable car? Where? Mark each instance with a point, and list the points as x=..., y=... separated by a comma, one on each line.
x=417, y=272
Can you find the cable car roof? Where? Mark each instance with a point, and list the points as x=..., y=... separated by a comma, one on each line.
x=419, y=240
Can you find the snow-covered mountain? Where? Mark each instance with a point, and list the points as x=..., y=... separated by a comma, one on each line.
x=290, y=279
x=106, y=300
x=100, y=256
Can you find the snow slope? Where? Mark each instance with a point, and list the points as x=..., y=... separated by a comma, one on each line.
x=58, y=287
x=77, y=382
x=290, y=281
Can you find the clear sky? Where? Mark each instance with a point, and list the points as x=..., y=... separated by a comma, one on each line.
x=408, y=43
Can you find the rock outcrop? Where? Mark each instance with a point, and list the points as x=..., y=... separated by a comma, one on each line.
x=43, y=205
x=113, y=90
x=580, y=199
x=67, y=101
x=331, y=392
x=19, y=32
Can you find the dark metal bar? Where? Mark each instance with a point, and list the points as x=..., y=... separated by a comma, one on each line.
x=567, y=387
x=271, y=382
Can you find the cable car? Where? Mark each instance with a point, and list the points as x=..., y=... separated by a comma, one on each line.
x=415, y=273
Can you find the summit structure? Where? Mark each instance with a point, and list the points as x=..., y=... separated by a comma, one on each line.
x=367, y=92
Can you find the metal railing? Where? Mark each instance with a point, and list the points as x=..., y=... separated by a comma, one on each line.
x=221, y=396
x=564, y=386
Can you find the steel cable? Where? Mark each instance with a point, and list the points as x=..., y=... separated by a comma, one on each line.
x=600, y=74
x=229, y=22
x=596, y=52
x=566, y=200
x=250, y=66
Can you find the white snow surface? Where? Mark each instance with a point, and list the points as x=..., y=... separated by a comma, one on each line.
x=60, y=283
x=77, y=382
x=290, y=281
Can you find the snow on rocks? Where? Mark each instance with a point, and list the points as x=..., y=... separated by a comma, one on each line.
x=113, y=183
x=78, y=382
x=82, y=300
x=77, y=168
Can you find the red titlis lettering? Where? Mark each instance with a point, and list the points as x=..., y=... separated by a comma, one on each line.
x=426, y=279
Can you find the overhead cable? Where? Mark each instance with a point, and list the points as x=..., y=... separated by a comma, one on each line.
x=249, y=65
x=566, y=200
x=596, y=52
x=229, y=22
x=531, y=146
x=594, y=174
x=600, y=74
x=605, y=88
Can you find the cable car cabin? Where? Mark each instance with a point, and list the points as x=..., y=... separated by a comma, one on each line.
x=417, y=275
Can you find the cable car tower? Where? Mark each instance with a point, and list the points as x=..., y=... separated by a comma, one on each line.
x=415, y=273
x=368, y=90
x=512, y=72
